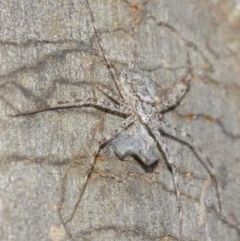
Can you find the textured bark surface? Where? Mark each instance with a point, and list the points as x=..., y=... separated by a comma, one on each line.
x=49, y=53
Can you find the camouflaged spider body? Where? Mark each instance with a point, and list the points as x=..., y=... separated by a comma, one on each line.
x=146, y=106
x=141, y=132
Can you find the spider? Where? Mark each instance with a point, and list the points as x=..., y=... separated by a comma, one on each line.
x=141, y=132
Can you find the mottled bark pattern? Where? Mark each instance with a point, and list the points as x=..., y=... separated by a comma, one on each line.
x=50, y=55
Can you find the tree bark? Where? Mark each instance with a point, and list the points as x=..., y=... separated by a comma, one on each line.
x=50, y=54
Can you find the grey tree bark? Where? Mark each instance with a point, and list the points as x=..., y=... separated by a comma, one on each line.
x=49, y=53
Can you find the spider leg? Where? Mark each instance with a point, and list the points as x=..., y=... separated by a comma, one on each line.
x=110, y=66
x=171, y=164
x=103, y=105
x=127, y=122
x=191, y=143
x=120, y=108
x=174, y=95
x=110, y=95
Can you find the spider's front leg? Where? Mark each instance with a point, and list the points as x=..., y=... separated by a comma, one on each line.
x=191, y=143
x=174, y=95
x=92, y=102
x=159, y=139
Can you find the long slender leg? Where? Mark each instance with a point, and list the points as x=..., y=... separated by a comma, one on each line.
x=171, y=163
x=127, y=122
x=104, y=105
x=188, y=139
x=109, y=64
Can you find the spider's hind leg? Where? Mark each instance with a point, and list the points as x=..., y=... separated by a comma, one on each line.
x=101, y=143
x=171, y=164
x=191, y=143
x=128, y=121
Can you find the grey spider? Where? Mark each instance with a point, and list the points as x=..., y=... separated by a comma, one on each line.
x=140, y=133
